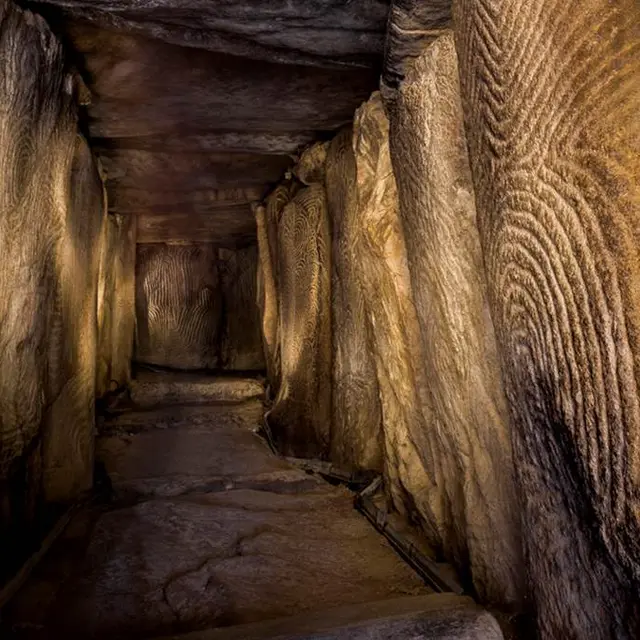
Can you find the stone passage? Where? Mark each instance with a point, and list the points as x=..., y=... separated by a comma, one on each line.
x=207, y=529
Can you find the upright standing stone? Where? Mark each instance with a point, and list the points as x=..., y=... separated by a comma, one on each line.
x=551, y=101
x=468, y=430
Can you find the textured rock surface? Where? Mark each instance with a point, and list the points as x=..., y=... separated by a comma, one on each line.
x=411, y=25
x=356, y=420
x=550, y=95
x=433, y=617
x=478, y=522
x=50, y=220
x=148, y=389
x=395, y=339
x=316, y=33
x=241, y=348
x=190, y=100
x=178, y=305
x=116, y=303
x=267, y=222
x=234, y=535
x=300, y=417
x=197, y=308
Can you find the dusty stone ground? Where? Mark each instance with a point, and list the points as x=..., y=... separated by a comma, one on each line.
x=205, y=527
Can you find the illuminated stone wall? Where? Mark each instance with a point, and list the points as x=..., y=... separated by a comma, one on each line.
x=51, y=217
x=196, y=307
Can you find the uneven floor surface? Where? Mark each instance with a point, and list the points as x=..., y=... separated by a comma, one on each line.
x=197, y=528
x=205, y=528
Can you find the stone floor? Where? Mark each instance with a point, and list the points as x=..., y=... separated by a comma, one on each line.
x=206, y=528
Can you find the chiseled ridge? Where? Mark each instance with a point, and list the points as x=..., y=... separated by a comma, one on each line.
x=301, y=415
x=551, y=101
x=469, y=428
x=356, y=419
x=178, y=305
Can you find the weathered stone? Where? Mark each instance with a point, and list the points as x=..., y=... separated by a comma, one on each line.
x=394, y=332
x=432, y=617
x=50, y=220
x=316, y=33
x=356, y=420
x=241, y=348
x=149, y=389
x=266, y=293
x=468, y=429
x=221, y=226
x=550, y=95
x=300, y=417
x=411, y=25
x=116, y=303
x=267, y=223
x=221, y=532
x=310, y=168
x=178, y=306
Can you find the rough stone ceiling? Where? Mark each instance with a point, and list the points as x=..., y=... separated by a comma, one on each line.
x=198, y=105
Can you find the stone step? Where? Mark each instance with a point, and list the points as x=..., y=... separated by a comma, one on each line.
x=151, y=389
x=431, y=617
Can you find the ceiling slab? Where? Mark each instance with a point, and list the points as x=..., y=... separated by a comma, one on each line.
x=234, y=226
x=329, y=33
x=193, y=99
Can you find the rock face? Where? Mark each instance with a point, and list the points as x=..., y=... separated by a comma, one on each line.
x=300, y=417
x=267, y=222
x=550, y=96
x=356, y=420
x=178, y=306
x=51, y=215
x=116, y=303
x=241, y=348
x=196, y=307
x=395, y=337
x=477, y=514
x=208, y=529
x=197, y=109
x=301, y=32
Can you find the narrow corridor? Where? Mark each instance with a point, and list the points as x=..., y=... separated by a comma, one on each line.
x=201, y=526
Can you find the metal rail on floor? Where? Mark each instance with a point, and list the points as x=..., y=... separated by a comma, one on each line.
x=426, y=568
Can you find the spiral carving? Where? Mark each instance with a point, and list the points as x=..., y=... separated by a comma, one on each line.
x=178, y=305
x=469, y=427
x=301, y=415
x=356, y=421
x=551, y=99
x=51, y=212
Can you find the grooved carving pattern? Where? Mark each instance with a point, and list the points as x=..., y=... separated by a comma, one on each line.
x=241, y=337
x=551, y=100
x=50, y=219
x=301, y=415
x=267, y=221
x=469, y=427
x=356, y=420
x=178, y=305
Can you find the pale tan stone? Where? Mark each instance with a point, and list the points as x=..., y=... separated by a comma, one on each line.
x=468, y=427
